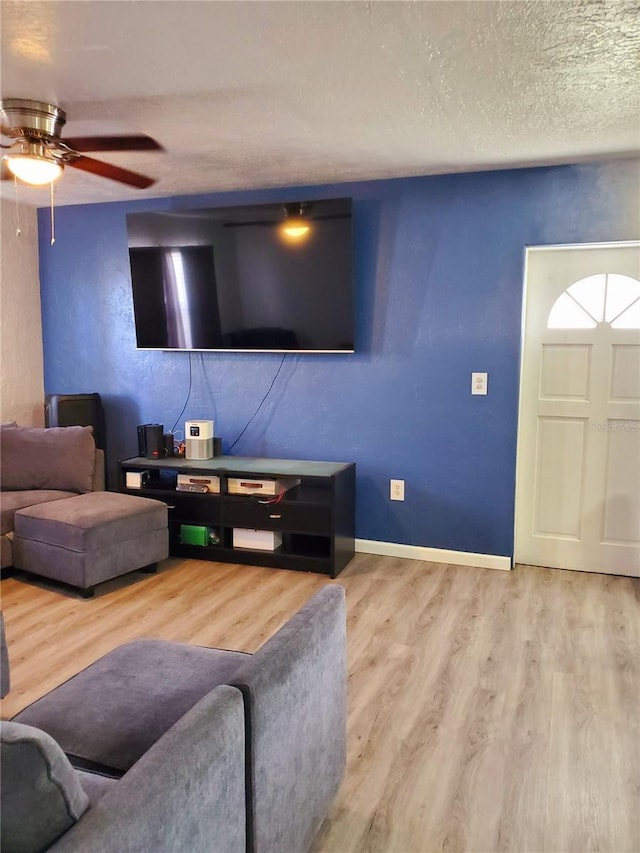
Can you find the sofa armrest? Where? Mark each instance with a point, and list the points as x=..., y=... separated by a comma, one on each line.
x=186, y=793
x=294, y=689
x=98, y=472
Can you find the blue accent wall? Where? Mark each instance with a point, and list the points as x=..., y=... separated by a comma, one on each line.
x=439, y=266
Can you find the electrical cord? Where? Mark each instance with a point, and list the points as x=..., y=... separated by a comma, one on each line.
x=254, y=415
x=208, y=384
x=274, y=500
x=188, y=395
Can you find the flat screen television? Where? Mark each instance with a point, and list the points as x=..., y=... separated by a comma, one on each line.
x=259, y=278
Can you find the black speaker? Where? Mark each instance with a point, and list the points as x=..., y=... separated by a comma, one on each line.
x=62, y=410
x=151, y=441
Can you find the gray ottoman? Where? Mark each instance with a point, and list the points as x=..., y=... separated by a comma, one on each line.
x=90, y=538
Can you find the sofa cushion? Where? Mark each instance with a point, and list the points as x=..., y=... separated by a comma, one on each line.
x=116, y=709
x=41, y=796
x=12, y=501
x=49, y=458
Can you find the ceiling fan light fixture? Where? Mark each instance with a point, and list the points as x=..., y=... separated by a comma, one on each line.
x=296, y=228
x=296, y=223
x=34, y=165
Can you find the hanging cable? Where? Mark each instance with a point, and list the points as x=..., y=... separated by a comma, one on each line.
x=187, y=400
x=254, y=415
x=208, y=384
x=53, y=224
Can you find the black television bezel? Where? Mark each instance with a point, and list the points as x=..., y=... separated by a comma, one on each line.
x=250, y=208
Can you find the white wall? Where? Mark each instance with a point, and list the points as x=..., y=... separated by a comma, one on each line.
x=21, y=365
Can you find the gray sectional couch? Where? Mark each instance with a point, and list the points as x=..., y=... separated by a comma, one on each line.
x=187, y=793
x=40, y=465
x=166, y=747
x=59, y=523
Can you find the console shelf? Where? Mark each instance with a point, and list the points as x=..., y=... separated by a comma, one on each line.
x=314, y=519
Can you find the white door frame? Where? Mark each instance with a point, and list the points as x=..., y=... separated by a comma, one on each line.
x=520, y=449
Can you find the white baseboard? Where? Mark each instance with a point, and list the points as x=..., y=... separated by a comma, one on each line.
x=433, y=555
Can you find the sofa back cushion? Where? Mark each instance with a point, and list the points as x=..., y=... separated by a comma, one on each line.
x=47, y=458
x=41, y=796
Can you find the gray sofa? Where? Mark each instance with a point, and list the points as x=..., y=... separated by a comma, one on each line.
x=40, y=465
x=169, y=747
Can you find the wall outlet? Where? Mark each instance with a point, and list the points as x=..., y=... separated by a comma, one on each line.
x=479, y=383
x=396, y=490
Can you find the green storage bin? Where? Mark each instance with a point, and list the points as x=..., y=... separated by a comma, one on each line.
x=194, y=534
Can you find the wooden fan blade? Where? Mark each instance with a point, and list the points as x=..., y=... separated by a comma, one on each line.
x=138, y=142
x=115, y=173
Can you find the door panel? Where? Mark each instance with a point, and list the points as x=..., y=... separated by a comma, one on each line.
x=560, y=447
x=565, y=372
x=625, y=374
x=621, y=519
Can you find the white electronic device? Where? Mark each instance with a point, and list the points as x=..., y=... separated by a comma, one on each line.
x=136, y=479
x=198, y=439
x=198, y=483
x=246, y=486
x=258, y=540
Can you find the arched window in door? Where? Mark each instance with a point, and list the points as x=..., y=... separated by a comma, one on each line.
x=604, y=298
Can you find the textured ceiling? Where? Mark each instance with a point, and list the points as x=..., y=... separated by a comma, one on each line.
x=260, y=94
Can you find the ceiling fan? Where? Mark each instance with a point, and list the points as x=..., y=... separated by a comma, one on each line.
x=38, y=155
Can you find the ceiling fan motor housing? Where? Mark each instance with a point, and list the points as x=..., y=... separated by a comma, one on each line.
x=31, y=119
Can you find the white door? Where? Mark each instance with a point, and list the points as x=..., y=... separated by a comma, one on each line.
x=578, y=466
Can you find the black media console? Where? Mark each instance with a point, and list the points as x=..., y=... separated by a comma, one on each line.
x=307, y=523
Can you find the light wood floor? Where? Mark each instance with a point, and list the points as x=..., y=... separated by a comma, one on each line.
x=488, y=711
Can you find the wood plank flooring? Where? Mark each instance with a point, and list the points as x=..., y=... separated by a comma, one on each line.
x=488, y=711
